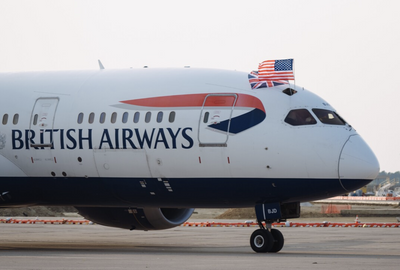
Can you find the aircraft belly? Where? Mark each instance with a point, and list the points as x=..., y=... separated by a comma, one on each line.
x=164, y=192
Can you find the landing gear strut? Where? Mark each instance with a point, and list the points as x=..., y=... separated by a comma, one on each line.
x=267, y=239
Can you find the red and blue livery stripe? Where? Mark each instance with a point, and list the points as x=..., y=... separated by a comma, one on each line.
x=197, y=101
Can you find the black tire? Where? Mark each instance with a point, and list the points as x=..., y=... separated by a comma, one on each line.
x=261, y=241
x=278, y=240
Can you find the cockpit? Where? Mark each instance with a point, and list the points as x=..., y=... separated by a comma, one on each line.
x=302, y=117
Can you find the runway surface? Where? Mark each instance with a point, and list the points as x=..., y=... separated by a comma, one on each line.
x=34, y=246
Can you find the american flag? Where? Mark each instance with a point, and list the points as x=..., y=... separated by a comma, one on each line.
x=276, y=70
x=272, y=73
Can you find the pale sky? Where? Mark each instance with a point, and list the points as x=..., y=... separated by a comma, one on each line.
x=347, y=52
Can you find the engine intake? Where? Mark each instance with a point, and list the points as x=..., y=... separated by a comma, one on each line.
x=137, y=218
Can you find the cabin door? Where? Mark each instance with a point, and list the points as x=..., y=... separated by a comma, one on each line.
x=42, y=122
x=39, y=138
x=215, y=119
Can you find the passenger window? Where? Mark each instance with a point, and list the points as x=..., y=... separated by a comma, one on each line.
x=35, y=118
x=5, y=119
x=300, y=117
x=328, y=117
x=80, y=118
x=102, y=117
x=113, y=117
x=171, y=118
x=147, y=118
x=206, y=115
x=15, y=119
x=91, y=118
x=136, y=117
x=125, y=117
x=159, y=117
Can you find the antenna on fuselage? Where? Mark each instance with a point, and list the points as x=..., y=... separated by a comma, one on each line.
x=292, y=91
x=100, y=64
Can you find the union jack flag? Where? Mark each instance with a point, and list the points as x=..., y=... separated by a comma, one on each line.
x=256, y=82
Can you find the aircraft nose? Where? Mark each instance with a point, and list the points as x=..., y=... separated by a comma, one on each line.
x=358, y=165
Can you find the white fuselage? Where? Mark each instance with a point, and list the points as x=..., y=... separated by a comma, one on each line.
x=152, y=124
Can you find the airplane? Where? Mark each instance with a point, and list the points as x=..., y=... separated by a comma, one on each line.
x=139, y=149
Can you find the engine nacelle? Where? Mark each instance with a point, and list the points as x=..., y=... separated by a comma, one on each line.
x=137, y=218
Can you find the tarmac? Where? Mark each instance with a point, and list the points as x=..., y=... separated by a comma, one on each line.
x=38, y=246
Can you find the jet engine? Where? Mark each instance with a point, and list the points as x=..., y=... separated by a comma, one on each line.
x=137, y=218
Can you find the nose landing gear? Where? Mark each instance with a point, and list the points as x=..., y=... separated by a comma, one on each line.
x=267, y=239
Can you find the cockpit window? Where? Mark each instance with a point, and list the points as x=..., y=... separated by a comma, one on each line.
x=328, y=117
x=300, y=117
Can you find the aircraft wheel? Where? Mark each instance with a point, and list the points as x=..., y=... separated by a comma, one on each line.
x=278, y=240
x=261, y=240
